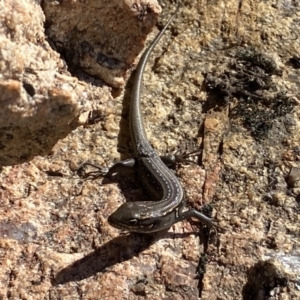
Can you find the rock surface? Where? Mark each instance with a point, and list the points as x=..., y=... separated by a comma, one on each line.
x=102, y=38
x=41, y=102
x=225, y=78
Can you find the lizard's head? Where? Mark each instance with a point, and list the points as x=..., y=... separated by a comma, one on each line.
x=129, y=217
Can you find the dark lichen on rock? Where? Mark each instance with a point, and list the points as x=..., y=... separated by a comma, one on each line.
x=247, y=85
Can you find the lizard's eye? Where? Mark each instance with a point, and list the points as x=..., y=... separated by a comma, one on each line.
x=132, y=222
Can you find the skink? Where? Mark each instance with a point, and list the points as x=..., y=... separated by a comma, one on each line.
x=158, y=180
